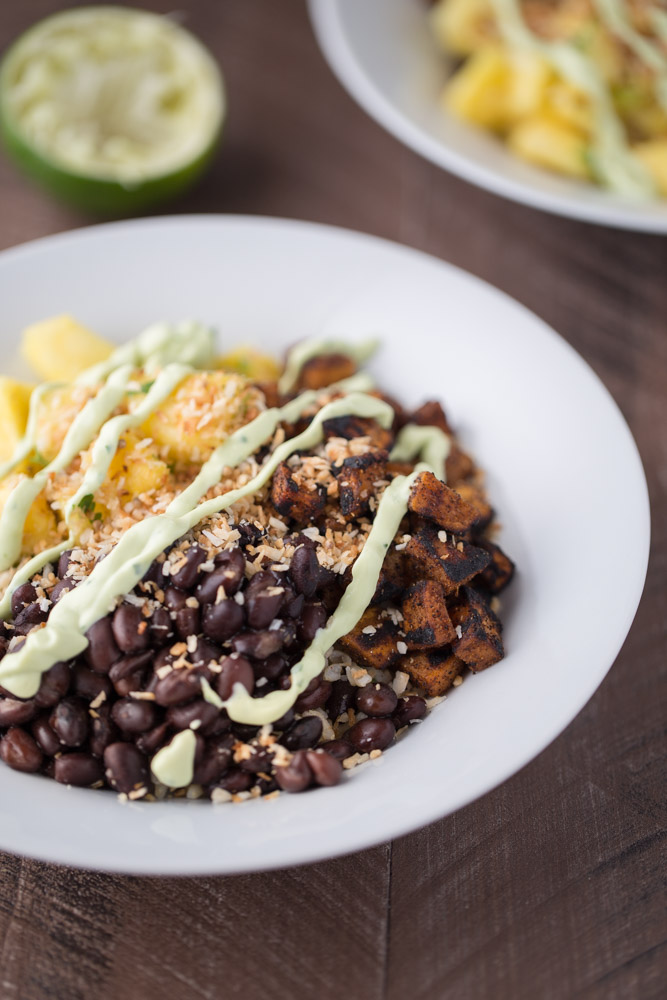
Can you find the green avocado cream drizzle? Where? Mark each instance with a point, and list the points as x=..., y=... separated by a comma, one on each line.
x=63, y=636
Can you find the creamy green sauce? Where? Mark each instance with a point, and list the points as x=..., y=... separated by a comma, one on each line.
x=612, y=157
x=615, y=15
x=188, y=343
x=313, y=348
x=429, y=443
x=26, y=445
x=174, y=764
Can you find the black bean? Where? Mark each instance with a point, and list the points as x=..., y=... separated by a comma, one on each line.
x=376, y=699
x=54, y=685
x=129, y=674
x=266, y=785
x=294, y=606
x=149, y=742
x=272, y=667
x=340, y=749
x=45, y=737
x=212, y=766
x=259, y=760
x=24, y=594
x=341, y=698
x=178, y=687
x=259, y=645
x=80, y=769
x=154, y=574
x=284, y=722
x=63, y=563
x=89, y=685
x=327, y=770
x=69, y=721
x=250, y=533
x=126, y=768
x=161, y=627
x=305, y=570
x=206, y=652
x=187, y=622
x=188, y=574
x=371, y=734
x=130, y=629
x=62, y=587
x=263, y=600
x=14, y=712
x=30, y=616
x=235, y=780
x=234, y=670
x=228, y=574
x=295, y=776
x=175, y=599
x=102, y=650
x=221, y=621
x=409, y=708
x=19, y=751
x=133, y=716
x=198, y=711
x=243, y=732
x=102, y=730
x=313, y=618
x=316, y=695
x=303, y=733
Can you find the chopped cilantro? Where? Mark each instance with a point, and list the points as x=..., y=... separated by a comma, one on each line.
x=147, y=385
x=38, y=458
x=87, y=503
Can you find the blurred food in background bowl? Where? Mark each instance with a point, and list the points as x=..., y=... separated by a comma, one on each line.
x=111, y=109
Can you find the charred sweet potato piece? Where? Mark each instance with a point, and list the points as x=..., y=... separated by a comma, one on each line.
x=391, y=582
x=271, y=394
x=431, y=498
x=372, y=642
x=433, y=670
x=430, y=414
x=399, y=468
x=295, y=500
x=500, y=570
x=426, y=620
x=450, y=563
x=352, y=427
x=481, y=644
x=321, y=371
x=476, y=499
x=356, y=478
x=459, y=466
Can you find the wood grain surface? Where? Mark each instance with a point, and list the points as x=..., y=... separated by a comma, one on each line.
x=553, y=885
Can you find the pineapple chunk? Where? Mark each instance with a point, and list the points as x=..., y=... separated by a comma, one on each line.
x=654, y=157
x=461, y=26
x=569, y=105
x=550, y=143
x=253, y=364
x=60, y=348
x=136, y=468
x=201, y=413
x=40, y=530
x=14, y=405
x=478, y=91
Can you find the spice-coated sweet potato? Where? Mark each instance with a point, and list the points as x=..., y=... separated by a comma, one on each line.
x=476, y=498
x=431, y=498
x=356, y=481
x=433, y=670
x=459, y=466
x=481, y=644
x=449, y=562
x=372, y=642
x=293, y=500
x=431, y=414
x=426, y=620
x=500, y=570
x=352, y=427
x=321, y=371
x=391, y=582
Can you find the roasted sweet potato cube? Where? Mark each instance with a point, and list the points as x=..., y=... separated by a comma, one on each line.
x=352, y=427
x=391, y=582
x=449, y=562
x=296, y=500
x=356, y=481
x=430, y=414
x=459, y=466
x=431, y=498
x=476, y=499
x=500, y=570
x=321, y=371
x=372, y=642
x=271, y=394
x=433, y=670
x=426, y=620
x=399, y=469
x=481, y=643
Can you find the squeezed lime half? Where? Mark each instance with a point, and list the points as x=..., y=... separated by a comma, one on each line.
x=109, y=108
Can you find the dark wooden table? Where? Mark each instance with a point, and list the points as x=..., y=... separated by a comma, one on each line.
x=551, y=886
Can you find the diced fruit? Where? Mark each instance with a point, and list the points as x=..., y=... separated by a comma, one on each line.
x=14, y=405
x=40, y=524
x=61, y=348
x=460, y=26
x=654, y=157
x=550, y=143
x=253, y=364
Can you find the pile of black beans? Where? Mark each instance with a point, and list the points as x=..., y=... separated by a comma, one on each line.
x=99, y=719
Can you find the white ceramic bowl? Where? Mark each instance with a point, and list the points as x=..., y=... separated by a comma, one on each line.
x=563, y=472
x=383, y=54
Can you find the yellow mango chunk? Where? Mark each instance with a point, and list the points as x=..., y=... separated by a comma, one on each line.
x=60, y=348
x=550, y=143
x=461, y=26
x=654, y=157
x=201, y=413
x=253, y=364
x=40, y=525
x=14, y=405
